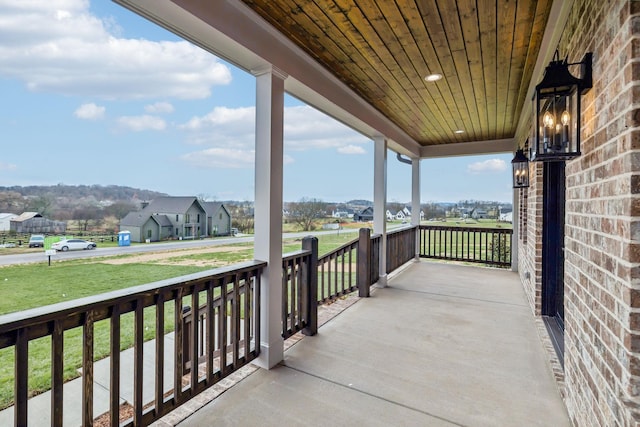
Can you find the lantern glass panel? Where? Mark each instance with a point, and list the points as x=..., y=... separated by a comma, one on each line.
x=556, y=126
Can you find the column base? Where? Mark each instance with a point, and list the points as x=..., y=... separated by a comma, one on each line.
x=270, y=354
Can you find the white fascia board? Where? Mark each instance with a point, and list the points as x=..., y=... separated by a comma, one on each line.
x=496, y=146
x=556, y=23
x=232, y=31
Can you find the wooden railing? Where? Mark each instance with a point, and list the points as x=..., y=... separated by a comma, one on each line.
x=298, y=300
x=337, y=272
x=490, y=246
x=229, y=295
x=374, y=258
x=223, y=333
x=401, y=247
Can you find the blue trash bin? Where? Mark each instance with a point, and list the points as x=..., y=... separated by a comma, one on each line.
x=124, y=238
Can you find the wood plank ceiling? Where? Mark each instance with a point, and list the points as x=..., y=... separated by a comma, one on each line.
x=485, y=50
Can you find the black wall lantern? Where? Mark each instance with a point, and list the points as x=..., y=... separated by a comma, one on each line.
x=520, y=166
x=556, y=107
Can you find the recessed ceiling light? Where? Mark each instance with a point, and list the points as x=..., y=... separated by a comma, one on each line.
x=433, y=77
x=458, y=131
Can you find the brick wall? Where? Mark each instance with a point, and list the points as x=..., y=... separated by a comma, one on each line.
x=602, y=232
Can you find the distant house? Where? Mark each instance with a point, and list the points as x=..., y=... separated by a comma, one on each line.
x=390, y=216
x=364, y=215
x=33, y=222
x=479, y=214
x=5, y=221
x=218, y=219
x=167, y=218
x=505, y=214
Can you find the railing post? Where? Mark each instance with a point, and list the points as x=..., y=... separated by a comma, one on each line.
x=310, y=243
x=364, y=259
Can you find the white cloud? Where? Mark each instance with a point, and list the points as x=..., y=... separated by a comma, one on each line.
x=89, y=112
x=304, y=129
x=351, y=149
x=490, y=166
x=307, y=128
x=140, y=123
x=159, y=108
x=7, y=166
x=58, y=46
x=225, y=128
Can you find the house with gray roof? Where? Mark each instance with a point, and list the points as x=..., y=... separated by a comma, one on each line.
x=167, y=218
x=218, y=218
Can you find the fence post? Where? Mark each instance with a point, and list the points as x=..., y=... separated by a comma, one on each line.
x=364, y=259
x=310, y=243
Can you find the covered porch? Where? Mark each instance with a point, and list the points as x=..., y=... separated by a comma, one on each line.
x=443, y=344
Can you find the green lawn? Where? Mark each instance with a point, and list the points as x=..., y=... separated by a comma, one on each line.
x=36, y=285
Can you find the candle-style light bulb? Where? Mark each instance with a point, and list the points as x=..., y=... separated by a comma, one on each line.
x=565, y=118
x=547, y=120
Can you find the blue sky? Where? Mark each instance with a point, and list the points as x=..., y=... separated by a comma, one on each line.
x=94, y=94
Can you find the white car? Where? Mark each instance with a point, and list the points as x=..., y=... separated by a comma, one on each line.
x=72, y=245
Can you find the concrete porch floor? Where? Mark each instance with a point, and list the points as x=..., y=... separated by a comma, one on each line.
x=443, y=345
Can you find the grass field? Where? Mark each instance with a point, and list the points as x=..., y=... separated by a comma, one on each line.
x=36, y=285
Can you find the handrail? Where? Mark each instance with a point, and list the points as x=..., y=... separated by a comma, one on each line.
x=239, y=290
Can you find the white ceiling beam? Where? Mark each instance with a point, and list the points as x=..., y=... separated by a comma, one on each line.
x=496, y=146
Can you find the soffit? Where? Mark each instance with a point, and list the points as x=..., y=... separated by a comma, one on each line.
x=485, y=50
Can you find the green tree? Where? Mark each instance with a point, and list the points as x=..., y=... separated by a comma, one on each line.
x=41, y=204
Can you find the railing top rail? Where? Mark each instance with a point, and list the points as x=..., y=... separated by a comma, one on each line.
x=401, y=229
x=292, y=255
x=338, y=249
x=61, y=310
x=462, y=228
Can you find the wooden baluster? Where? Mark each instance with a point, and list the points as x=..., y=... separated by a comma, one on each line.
x=114, y=367
x=57, y=371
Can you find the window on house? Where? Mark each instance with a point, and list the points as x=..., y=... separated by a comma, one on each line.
x=187, y=218
x=176, y=231
x=198, y=218
x=149, y=233
x=177, y=217
x=220, y=216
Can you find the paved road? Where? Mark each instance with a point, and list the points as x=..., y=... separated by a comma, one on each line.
x=153, y=247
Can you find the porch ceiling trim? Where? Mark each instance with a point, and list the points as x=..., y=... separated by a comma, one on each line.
x=496, y=146
x=238, y=35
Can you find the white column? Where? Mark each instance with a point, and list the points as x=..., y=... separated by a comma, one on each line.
x=268, y=211
x=380, y=202
x=415, y=200
x=515, y=237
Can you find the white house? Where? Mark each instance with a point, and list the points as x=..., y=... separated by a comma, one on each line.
x=5, y=221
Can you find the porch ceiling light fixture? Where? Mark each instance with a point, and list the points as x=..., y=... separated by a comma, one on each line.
x=556, y=107
x=520, y=165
